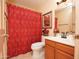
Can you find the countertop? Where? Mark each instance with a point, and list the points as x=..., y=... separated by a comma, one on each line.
x=67, y=41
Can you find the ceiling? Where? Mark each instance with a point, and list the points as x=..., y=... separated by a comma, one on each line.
x=35, y=4
x=30, y=3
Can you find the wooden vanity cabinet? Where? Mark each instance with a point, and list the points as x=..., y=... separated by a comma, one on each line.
x=49, y=52
x=49, y=49
x=55, y=50
x=62, y=55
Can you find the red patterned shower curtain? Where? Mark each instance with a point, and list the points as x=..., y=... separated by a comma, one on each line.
x=24, y=28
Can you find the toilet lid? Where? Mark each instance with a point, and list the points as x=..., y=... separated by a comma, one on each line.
x=38, y=45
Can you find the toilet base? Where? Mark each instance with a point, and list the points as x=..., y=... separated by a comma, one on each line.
x=38, y=54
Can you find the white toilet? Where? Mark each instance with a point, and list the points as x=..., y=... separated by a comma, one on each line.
x=37, y=48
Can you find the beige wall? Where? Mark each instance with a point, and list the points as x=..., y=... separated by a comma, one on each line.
x=73, y=19
x=77, y=29
x=0, y=14
x=65, y=19
x=49, y=6
x=77, y=16
x=3, y=41
x=2, y=20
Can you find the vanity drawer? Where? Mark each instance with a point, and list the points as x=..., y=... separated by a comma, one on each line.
x=65, y=48
x=49, y=42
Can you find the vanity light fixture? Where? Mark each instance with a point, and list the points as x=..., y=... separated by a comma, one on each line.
x=61, y=2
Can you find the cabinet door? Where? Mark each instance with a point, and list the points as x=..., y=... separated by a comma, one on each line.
x=49, y=52
x=62, y=55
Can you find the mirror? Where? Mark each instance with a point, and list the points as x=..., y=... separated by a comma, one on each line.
x=66, y=18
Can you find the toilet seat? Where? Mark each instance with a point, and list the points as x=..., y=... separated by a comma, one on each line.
x=37, y=45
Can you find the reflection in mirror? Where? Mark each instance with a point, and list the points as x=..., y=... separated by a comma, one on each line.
x=66, y=19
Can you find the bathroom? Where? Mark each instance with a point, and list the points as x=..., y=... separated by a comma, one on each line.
x=39, y=29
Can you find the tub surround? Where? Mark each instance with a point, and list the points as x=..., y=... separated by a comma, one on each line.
x=67, y=41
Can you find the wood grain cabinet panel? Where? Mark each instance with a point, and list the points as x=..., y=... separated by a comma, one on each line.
x=49, y=52
x=62, y=55
x=49, y=42
x=65, y=48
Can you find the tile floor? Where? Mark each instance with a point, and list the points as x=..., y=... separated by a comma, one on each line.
x=28, y=56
